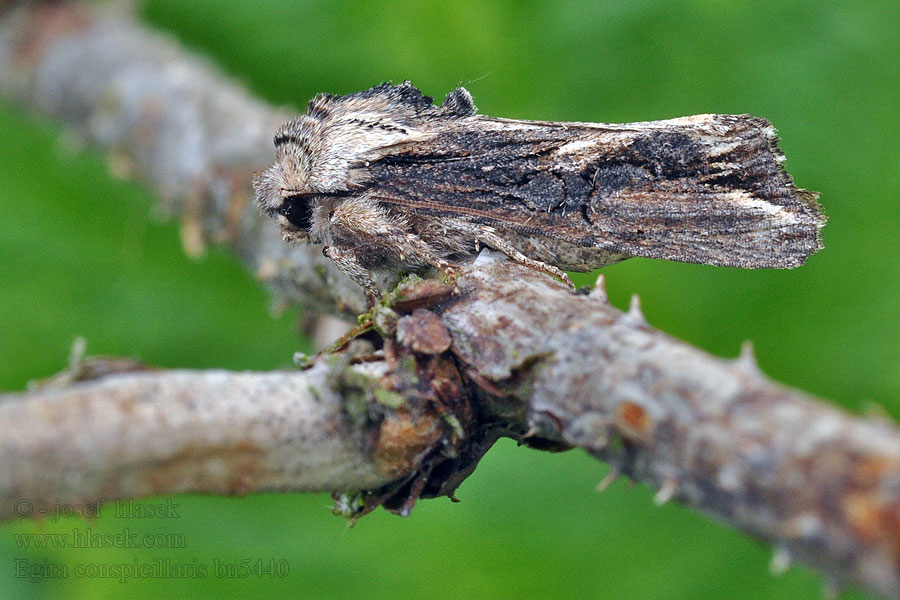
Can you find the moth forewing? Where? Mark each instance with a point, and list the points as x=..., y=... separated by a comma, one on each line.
x=437, y=181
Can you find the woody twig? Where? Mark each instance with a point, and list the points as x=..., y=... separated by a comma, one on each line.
x=513, y=351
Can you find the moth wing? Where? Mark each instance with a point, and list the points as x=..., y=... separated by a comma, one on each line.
x=706, y=189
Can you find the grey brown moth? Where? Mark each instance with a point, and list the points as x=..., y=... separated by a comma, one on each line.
x=387, y=180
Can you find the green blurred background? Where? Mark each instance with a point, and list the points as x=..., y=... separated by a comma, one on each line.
x=82, y=254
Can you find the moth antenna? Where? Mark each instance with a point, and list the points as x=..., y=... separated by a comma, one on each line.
x=599, y=290
x=781, y=561
x=746, y=360
x=666, y=492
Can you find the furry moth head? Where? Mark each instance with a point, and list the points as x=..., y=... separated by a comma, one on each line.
x=326, y=152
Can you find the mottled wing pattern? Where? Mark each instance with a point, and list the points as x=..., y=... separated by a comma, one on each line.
x=707, y=189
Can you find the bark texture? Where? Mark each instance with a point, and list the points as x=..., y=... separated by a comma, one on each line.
x=133, y=435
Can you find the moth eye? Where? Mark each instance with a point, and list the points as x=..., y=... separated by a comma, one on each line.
x=297, y=210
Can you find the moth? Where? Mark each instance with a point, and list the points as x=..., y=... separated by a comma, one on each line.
x=387, y=180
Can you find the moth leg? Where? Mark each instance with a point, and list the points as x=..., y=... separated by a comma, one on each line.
x=489, y=238
x=424, y=253
x=413, y=249
x=366, y=223
x=345, y=259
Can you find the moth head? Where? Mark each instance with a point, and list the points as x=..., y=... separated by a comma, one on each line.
x=287, y=189
x=319, y=156
x=327, y=152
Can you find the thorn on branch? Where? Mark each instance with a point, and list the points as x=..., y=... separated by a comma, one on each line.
x=781, y=561
x=746, y=360
x=599, y=290
x=635, y=315
x=666, y=492
x=615, y=471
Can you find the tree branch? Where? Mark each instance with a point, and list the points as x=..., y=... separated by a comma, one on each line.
x=539, y=363
x=173, y=120
x=165, y=432
x=817, y=483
